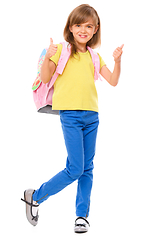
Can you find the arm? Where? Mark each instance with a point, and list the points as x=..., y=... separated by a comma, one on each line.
x=48, y=66
x=113, y=77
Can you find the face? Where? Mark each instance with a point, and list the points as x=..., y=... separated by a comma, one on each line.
x=82, y=33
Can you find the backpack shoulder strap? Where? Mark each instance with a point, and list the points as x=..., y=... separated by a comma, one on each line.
x=65, y=54
x=96, y=63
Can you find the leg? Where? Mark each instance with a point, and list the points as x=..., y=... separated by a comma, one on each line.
x=73, y=135
x=85, y=181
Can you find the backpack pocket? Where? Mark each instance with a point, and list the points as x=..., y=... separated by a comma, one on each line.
x=36, y=83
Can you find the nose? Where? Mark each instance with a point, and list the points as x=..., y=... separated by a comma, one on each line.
x=83, y=29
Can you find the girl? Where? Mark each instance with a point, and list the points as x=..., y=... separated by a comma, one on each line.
x=75, y=96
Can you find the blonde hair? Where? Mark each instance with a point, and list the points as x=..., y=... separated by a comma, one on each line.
x=79, y=15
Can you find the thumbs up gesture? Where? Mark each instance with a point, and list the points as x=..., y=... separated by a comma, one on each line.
x=51, y=50
x=117, y=53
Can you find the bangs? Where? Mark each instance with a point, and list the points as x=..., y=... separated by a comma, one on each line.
x=83, y=15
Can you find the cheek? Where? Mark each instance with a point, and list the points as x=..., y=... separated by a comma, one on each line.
x=89, y=30
x=75, y=33
x=91, y=33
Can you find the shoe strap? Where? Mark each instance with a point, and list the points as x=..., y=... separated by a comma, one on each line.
x=35, y=218
x=83, y=219
x=32, y=205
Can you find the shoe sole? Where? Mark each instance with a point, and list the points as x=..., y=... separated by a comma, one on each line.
x=81, y=232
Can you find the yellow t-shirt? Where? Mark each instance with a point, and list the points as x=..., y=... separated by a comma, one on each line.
x=75, y=88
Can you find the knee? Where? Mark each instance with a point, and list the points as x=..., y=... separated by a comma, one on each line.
x=76, y=172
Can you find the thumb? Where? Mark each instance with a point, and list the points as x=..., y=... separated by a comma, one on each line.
x=51, y=41
x=122, y=46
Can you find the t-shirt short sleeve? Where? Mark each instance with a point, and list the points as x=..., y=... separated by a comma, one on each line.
x=55, y=58
x=102, y=63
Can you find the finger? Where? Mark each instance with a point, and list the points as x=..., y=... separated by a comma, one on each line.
x=118, y=50
x=51, y=41
x=117, y=54
x=122, y=46
x=52, y=45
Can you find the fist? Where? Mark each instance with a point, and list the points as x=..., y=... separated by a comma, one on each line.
x=117, y=53
x=51, y=50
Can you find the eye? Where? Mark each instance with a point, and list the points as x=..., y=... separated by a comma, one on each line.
x=78, y=25
x=89, y=27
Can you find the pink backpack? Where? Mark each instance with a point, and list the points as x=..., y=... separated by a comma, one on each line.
x=42, y=93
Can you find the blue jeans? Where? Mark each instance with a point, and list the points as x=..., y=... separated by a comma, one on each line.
x=80, y=131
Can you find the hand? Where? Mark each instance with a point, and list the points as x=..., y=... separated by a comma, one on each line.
x=117, y=53
x=51, y=50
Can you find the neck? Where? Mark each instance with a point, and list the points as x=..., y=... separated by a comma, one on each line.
x=81, y=47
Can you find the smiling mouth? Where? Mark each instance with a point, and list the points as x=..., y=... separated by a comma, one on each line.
x=83, y=36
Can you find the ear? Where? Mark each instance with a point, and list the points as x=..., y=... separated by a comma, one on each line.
x=70, y=28
x=96, y=29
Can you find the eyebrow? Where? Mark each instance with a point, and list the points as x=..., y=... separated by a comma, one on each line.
x=90, y=24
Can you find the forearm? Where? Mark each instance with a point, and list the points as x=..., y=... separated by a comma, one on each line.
x=115, y=74
x=48, y=66
x=113, y=77
x=46, y=71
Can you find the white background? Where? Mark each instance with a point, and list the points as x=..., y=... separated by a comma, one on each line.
x=32, y=146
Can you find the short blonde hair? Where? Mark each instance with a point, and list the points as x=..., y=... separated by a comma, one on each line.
x=79, y=15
